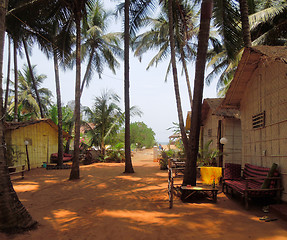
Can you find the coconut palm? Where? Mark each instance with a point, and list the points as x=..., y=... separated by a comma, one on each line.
x=15, y=79
x=245, y=23
x=27, y=95
x=190, y=168
x=32, y=77
x=175, y=78
x=98, y=47
x=128, y=159
x=67, y=120
x=78, y=9
x=158, y=38
x=13, y=215
x=267, y=25
x=8, y=77
x=105, y=118
x=18, y=31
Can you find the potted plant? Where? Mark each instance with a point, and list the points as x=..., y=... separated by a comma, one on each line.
x=163, y=161
x=206, y=161
x=206, y=156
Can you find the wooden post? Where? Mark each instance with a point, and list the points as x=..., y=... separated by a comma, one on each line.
x=28, y=160
x=220, y=146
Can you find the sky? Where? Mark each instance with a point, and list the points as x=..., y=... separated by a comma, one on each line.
x=148, y=89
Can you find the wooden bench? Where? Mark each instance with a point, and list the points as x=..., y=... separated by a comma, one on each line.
x=249, y=184
x=66, y=157
x=19, y=169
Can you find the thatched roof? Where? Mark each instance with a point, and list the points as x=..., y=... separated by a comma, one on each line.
x=17, y=125
x=213, y=104
x=247, y=65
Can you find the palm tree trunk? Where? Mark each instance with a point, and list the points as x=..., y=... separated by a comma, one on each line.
x=87, y=71
x=67, y=148
x=33, y=78
x=8, y=77
x=175, y=78
x=190, y=169
x=15, y=119
x=60, y=115
x=75, y=171
x=13, y=215
x=245, y=23
x=186, y=76
x=103, y=148
x=128, y=159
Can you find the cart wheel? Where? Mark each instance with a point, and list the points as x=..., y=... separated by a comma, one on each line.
x=170, y=191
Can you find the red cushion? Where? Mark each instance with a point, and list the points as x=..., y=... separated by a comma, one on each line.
x=232, y=171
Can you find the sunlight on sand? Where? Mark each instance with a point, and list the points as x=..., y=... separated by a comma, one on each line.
x=162, y=174
x=26, y=186
x=62, y=219
x=102, y=186
x=144, y=217
x=148, y=188
x=129, y=178
x=52, y=181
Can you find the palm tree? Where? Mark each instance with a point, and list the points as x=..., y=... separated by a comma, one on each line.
x=128, y=159
x=13, y=215
x=8, y=77
x=32, y=77
x=190, y=168
x=78, y=9
x=245, y=23
x=98, y=47
x=158, y=38
x=175, y=79
x=105, y=116
x=267, y=25
x=67, y=121
x=134, y=12
x=55, y=39
x=27, y=95
x=15, y=80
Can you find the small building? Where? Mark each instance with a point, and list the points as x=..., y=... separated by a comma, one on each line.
x=40, y=136
x=259, y=91
x=217, y=123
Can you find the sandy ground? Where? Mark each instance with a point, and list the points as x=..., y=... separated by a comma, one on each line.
x=107, y=204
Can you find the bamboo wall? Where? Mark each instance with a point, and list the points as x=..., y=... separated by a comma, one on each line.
x=231, y=129
x=209, y=130
x=43, y=141
x=267, y=91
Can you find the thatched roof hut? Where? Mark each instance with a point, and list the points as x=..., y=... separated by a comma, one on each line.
x=216, y=123
x=259, y=90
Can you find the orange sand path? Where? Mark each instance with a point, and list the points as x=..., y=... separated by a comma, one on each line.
x=107, y=204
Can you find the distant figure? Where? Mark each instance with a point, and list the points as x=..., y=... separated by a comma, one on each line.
x=160, y=147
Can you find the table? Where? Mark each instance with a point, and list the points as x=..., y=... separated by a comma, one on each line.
x=209, y=190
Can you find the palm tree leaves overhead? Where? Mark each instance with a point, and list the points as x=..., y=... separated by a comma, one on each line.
x=226, y=16
x=268, y=23
x=138, y=12
x=185, y=19
x=269, y=26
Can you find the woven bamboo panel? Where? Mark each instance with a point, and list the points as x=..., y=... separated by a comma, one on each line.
x=44, y=140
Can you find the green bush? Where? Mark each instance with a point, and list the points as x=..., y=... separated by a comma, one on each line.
x=163, y=161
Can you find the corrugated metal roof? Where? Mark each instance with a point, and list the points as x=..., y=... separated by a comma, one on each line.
x=247, y=65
